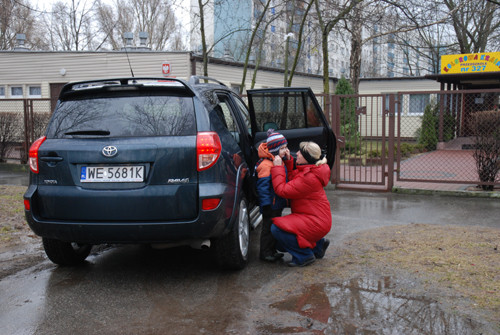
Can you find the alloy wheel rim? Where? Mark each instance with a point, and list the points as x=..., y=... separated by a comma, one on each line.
x=243, y=229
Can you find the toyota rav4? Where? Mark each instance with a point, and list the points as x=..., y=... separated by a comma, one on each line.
x=155, y=161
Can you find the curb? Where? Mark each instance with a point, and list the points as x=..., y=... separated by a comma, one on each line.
x=417, y=191
x=472, y=194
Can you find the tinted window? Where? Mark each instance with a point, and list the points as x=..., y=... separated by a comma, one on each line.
x=128, y=116
x=224, y=111
x=285, y=110
x=244, y=113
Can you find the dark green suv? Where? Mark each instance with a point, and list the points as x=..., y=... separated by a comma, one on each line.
x=155, y=161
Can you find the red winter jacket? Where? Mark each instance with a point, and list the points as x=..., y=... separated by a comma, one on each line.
x=311, y=217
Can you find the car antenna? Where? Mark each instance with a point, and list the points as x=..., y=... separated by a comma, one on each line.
x=129, y=65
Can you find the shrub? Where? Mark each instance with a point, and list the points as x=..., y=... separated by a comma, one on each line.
x=428, y=134
x=407, y=149
x=9, y=126
x=352, y=139
x=486, y=127
x=374, y=153
x=40, y=122
x=347, y=105
x=348, y=118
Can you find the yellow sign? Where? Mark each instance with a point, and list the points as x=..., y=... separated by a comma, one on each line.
x=471, y=63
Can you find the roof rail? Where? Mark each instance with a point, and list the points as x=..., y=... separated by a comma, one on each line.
x=195, y=80
x=99, y=83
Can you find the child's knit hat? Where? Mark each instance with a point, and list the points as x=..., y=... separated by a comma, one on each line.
x=274, y=141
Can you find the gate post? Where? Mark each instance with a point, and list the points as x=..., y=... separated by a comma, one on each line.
x=335, y=112
x=390, y=155
x=26, y=142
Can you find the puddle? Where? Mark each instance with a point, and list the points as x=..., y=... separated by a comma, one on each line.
x=363, y=306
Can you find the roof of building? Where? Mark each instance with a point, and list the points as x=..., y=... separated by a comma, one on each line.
x=484, y=80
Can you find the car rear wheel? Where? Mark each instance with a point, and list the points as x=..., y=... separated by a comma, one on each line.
x=232, y=249
x=65, y=253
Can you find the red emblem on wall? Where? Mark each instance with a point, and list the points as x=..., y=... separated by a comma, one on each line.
x=165, y=69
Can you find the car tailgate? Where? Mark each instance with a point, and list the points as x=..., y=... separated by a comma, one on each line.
x=148, y=179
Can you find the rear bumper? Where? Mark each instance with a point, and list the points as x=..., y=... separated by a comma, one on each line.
x=210, y=224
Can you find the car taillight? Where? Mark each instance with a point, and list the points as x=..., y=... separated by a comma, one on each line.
x=208, y=149
x=27, y=205
x=33, y=154
x=209, y=204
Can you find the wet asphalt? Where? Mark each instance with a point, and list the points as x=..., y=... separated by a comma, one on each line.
x=138, y=290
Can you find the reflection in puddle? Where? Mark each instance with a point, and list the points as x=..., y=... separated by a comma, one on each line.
x=364, y=306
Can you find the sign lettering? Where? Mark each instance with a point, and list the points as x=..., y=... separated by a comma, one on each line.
x=470, y=63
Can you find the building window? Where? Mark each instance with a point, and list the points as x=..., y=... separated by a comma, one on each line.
x=16, y=92
x=35, y=91
x=418, y=102
x=2, y=92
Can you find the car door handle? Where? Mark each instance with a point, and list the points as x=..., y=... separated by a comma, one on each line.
x=51, y=159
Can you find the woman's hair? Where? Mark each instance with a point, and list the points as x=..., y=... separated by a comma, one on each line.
x=314, y=151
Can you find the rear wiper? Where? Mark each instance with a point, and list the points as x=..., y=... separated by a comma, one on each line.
x=89, y=132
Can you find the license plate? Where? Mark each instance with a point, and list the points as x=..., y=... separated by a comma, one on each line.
x=112, y=174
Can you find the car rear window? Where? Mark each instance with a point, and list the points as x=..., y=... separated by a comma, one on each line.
x=124, y=116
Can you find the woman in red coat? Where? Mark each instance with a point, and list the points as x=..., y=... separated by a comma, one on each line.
x=302, y=232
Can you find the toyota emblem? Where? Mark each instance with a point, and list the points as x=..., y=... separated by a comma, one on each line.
x=109, y=151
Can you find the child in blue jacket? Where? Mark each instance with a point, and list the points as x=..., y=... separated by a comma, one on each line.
x=271, y=205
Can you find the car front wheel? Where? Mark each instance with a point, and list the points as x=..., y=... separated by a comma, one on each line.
x=65, y=253
x=232, y=249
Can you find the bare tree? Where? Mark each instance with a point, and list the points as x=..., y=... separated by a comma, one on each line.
x=156, y=17
x=447, y=26
x=423, y=47
x=9, y=126
x=299, y=42
x=202, y=6
x=113, y=21
x=71, y=26
x=326, y=25
x=365, y=14
x=475, y=23
x=250, y=44
x=406, y=24
x=19, y=17
x=209, y=13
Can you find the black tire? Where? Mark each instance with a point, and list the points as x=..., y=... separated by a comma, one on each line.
x=232, y=249
x=65, y=253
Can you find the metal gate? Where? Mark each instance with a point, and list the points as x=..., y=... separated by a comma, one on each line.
x=406, y=138
x=364, y=125
x=456, y=136
x=22, y=121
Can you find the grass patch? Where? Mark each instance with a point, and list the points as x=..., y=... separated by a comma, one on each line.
x=11, y=211
x=463, y=259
